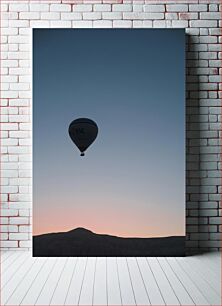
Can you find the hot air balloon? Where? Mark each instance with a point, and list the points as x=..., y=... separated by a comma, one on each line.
x=83, y=132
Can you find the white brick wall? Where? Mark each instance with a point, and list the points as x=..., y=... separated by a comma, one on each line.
x=201, y=20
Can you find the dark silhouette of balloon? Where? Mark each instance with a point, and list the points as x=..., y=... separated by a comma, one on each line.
x=83, y=132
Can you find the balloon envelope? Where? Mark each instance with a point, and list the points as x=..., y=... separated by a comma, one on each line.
x=83, y=132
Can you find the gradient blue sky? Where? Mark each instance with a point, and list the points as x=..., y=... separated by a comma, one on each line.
x=132, y=83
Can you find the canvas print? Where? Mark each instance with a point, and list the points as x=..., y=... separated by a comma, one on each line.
x=108, y=142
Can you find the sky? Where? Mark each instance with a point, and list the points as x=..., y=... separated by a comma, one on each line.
x=131, y=182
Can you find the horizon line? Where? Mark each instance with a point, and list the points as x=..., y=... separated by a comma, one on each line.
x=79, y=227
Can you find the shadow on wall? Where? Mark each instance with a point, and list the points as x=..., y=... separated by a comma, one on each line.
x=194, y=223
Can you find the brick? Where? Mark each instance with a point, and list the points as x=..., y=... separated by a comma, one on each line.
x=9, y=94
x=92, y=15
x=82, y=7
x=18, y=7
x=13, y=158
x=19, y=118
x=214, y=173
x=13, y=47
x=102, y=24
x=208, y=165
x=208, y=228
x=9, y=63
x=9, y=31
x=29, y=15
x=171, y=16
x=10, y=15
x=138, y=23
x=60, y=24
x=19, y=102
x=18, y=220
x=162, y=23
x=9, y=212
x=25, y=229
x=26, y=47
x=19, y=134
x=10, y=166
x=25, y=244
x=210, y=244
x=102, y=7
x=135, y=15
x=13, y=228
x=208, y=39
x=24, y=213
x=147, y=24
x=71, y=16
x=203, y=23
x=180, y=23
x=199, y=236
x=187, y=16
x=60, y=8
x=215, y=220
x=215, y=236
x=213, y=7
x=154, y=8
x=3, y=228
x=18, y=150
x=4, y=236
x=207, y=55
x=122, y=7
x=82, y=24
x=215, y=63
x=37, y=7
x=208, y=212
x=9, y=173
x=191, y=221
x=4, y=181
x=39, y=24
x=122, y=23
x=51, y=15
x=4, y=7
x=177, y=8
x=208, y=205
x=20, y=205
x=18, y=23
x=4, y=220
x=19, y=71
x=18, y=236
x=9, y=244
x=207, y=15
x=197, y=7
x=112, y=15
x=216, y=31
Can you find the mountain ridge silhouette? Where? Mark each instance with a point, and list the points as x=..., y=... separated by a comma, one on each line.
x=83, y=242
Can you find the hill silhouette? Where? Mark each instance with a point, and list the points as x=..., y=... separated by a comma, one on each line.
x=83, y=242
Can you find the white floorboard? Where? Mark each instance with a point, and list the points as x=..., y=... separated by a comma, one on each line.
x=189, y=284
x=50, y=285
x=100, y=283
x=26, y=280
x=113, y=285
x=139, y=288
x=180, y=291
x=86, y=293
x=61, y=290
x=75, y=285
x=154, y=293
x=165, y=286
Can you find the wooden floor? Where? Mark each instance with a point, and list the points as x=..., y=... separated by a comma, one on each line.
x=193, y=280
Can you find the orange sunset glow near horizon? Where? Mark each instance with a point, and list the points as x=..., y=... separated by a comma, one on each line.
x=109, y=220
